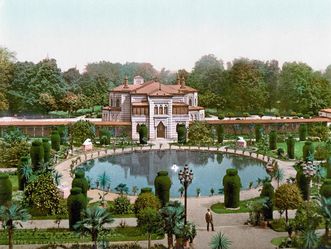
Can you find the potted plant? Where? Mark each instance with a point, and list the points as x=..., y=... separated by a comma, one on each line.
x=185, y=235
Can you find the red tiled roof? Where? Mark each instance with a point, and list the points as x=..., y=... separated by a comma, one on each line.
x=153, y=88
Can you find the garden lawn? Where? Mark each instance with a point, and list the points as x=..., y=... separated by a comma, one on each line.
x=219, y=208
x=58, y=236
x=277, y=241
x=298, y=147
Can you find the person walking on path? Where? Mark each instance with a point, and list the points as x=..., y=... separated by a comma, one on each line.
x=209, y=220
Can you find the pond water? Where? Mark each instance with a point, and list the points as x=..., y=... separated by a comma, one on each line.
x=140, y=168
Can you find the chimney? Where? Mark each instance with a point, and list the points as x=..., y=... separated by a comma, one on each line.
x=182, y=83
x=126, y=82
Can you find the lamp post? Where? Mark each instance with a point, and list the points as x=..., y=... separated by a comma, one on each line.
x=185, y=177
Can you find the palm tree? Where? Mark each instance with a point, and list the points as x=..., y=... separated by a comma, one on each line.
x=122, y=188
x=93, y=223
x=135, y=190
x=325, y=211
x=103, y=183
x=309, y=239
x=278, y=175
x=220, y=241
x=173, y=215
x=10, y=217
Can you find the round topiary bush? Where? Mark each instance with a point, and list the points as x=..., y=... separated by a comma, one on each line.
x=143, y=134
x=303, y=131
x=122, y=205
x=220, y=133
x=303, y=184
x=37, y=155
x=47, y=150
x=76, y=203
x=145, y=190
x=162, y=185
x=268, y=191
x=273, y=140
x=325, y=189
x=146, y=200
x=231, y=185
x=81, y=182
x=6, y=189
x=21, y=176
x=181, y=132
x=308, y=151
x=55, y=140
x=290, y=142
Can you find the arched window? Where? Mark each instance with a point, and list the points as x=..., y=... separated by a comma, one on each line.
x=111, y=102
x=161, y=110
x=156, y=110
x=190, y=102
x=166, y=110
x=117, y=103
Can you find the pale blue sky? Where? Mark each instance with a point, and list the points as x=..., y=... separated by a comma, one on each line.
x=172, y=33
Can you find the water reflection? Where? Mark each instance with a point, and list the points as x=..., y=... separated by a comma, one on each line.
x=140, y=168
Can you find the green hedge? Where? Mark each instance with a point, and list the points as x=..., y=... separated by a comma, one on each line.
x=55, y=140
x=6, y=189
x=47, y=149
x=181, y=132
x=290, y=142
x=80, y=182
x=143, y=134
x=37, y=155
x=220, y=133
x=303, y=184
x=162, y=185
x=76, y=203
x=273, y=140
x=308, y=150
x=268, y=191
x=258, y=132
x=303, y=131
x=231, y=185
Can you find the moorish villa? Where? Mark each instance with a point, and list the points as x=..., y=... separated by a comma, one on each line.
x=159, y=106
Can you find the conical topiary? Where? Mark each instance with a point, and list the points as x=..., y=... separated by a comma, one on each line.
x=308, y=151
x=181, y=132
x=290, y=142
x=162, y=185
x=6, y=189
x=21, y=176
x=55, y=140
x=143, y=134
x=268, y=191
x=76, y=203
x=231, y=185
x=37, y=155
x=47, y=150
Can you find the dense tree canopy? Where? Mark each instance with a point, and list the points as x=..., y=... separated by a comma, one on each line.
x=243, y=86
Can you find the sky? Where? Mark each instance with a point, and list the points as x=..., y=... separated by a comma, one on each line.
x=171, y=34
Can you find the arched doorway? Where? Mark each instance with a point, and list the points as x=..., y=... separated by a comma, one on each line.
x=160, y=132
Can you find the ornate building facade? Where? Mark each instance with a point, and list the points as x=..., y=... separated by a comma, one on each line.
x=159, y=106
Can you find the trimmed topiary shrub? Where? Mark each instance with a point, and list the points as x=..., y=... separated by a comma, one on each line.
x=162, y=185
x=303, y=184
x=325, y=189
x=220, y=133
x=231, y=185
x=290, y=142
x=303, y=131
x=143, y=134
x=6, y=189
x=145, y=190
x=308, y=151
x=104, y=135
x=55, y=140
x=258, y=132
x=21, y=176
x=47, y=150
x=273, y=140
x=268, y=191
x=76, y=203
x=37, y=155
x=122, y=205
x=181, y=132
x=146, y=200
x=81, y=182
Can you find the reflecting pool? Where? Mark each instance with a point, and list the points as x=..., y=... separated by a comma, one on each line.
x=140, y=168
